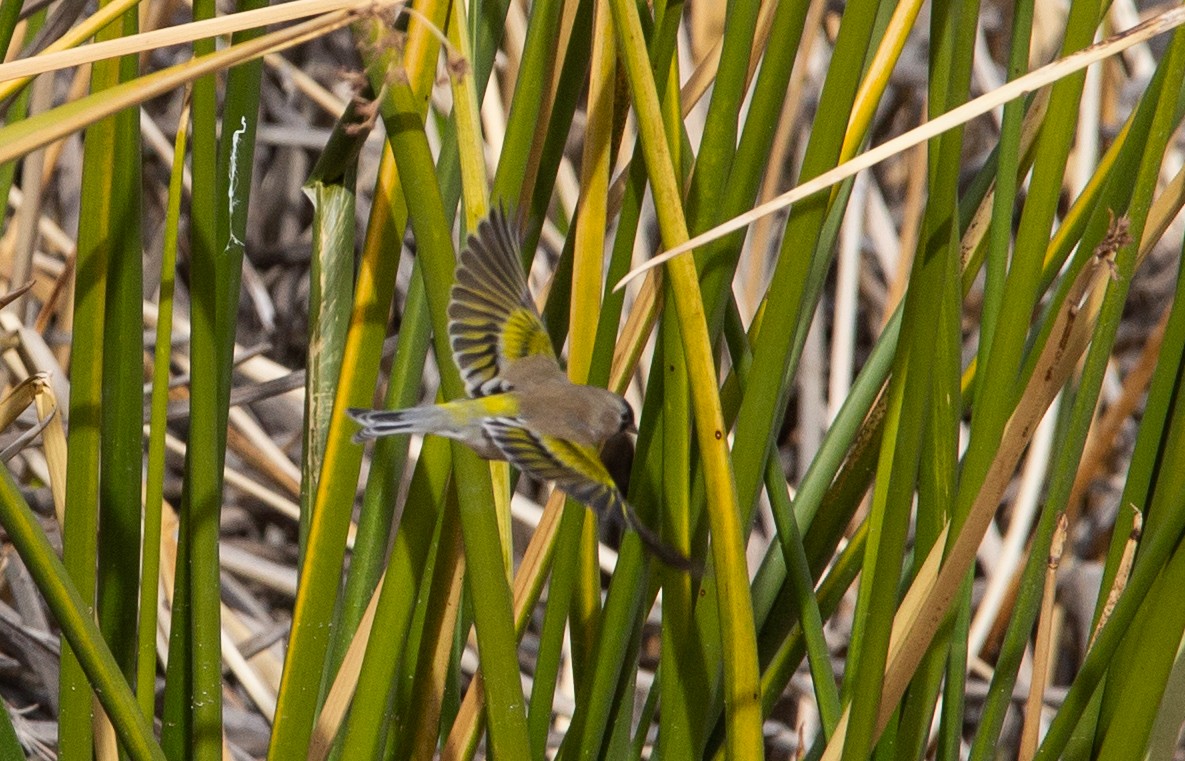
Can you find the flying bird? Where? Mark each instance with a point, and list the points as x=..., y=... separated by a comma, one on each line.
x=520, y=405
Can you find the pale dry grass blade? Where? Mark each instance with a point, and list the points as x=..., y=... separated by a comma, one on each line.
x=1008, y=562
x=65, y=55
x=1035, y=80
x=847, y=282
x=28, y=135
x=33, y=183
x=256, y=687
x=76, y=36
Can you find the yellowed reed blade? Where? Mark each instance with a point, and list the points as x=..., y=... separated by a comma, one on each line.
x=106, y=747
x=53, y=440
x=36, y=390
x=15, y=402
x=337, y=702
x=68, y=51
x=933, y=591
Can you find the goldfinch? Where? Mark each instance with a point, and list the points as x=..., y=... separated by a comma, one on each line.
x=521, y=407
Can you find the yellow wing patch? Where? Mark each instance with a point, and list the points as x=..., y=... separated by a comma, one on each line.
x=492, y=319
x=574, y=468
x=578, y=471
x=523, y=336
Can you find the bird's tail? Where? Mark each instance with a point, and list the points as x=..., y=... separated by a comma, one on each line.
x=657, y=547
x=376, y=423
x=605, y=500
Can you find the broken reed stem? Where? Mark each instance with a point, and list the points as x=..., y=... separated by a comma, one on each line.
x=1121, y=574
x=1032, y=727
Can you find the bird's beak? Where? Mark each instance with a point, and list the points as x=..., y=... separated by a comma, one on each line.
x=631, y=428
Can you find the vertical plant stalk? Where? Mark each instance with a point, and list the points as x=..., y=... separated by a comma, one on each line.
x=325, y=549
x=123, y=380
x=192, y=719
x=330, y=189
x=158, y=425
x=80, y=532
x=467, y=116
x=417, y=727
x=594, y=187
x=492, y=602
x=921, y=444
x=1010, y=154
x=1150, y=473
x=389, y=457
x=682, y=673
x=810, y=619
x=585, y=309
x=795, y=284
x=300, y=687
x=530, y=106
x=414, y=558
x=528, y=585
x=422, y=731
x=741, y=676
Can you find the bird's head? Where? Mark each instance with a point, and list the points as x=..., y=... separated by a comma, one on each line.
x=585, y=414
x=627, y=417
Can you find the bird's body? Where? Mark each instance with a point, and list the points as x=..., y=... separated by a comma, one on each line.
x=592, y=415
x=521, y=406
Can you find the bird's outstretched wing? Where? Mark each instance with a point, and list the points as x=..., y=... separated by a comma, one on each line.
x=579, y=472
x=492, y=319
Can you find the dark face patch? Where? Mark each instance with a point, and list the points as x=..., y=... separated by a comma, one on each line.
x=627, y=418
